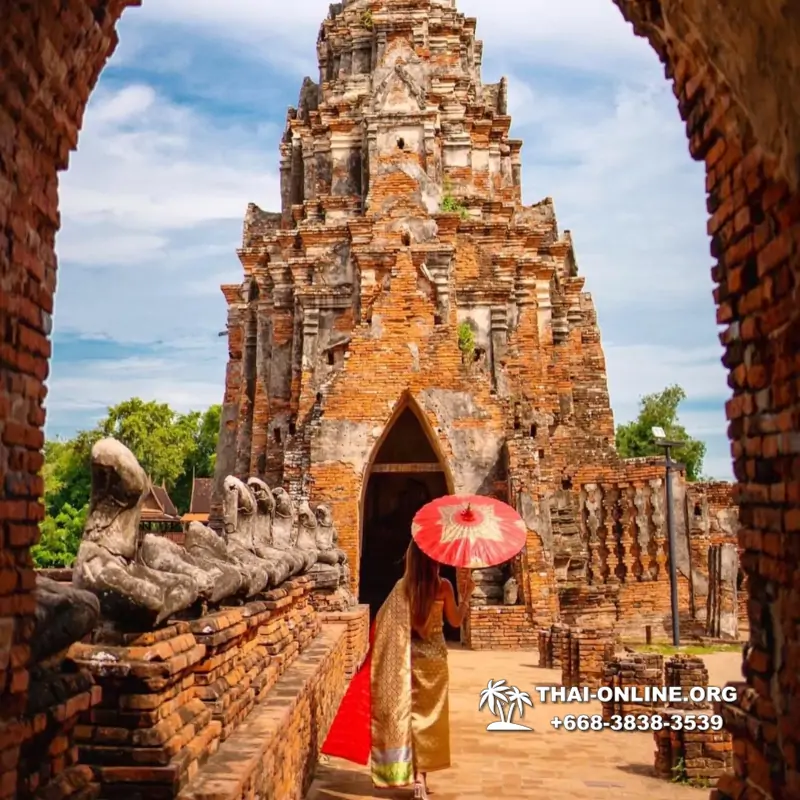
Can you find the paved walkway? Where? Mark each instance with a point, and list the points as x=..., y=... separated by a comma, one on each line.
x=518, y=766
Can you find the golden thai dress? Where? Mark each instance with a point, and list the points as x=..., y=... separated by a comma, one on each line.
x=408, y=687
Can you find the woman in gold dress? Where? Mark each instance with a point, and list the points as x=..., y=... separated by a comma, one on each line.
x=410, y=725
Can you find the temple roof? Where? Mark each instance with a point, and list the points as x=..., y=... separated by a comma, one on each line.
x=158, y=506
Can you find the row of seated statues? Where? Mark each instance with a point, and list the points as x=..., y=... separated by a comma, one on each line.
x=140, y=582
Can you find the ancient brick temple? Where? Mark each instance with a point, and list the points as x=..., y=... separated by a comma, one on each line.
x=407, y=327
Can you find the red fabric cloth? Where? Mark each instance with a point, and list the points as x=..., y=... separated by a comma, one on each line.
x=350, y=736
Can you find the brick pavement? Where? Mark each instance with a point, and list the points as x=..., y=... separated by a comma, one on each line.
x=518, y=766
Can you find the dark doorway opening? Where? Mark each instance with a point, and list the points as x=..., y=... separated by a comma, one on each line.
x=405, y=475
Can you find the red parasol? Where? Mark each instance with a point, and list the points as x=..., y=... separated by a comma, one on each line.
x=469, y=531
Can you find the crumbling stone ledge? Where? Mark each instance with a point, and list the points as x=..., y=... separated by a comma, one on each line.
x=357, y=622
x=273, y=754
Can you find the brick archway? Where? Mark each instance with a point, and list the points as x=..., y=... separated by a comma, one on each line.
x=734, y=67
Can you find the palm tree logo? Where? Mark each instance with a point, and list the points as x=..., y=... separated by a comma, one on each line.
x=495, y=696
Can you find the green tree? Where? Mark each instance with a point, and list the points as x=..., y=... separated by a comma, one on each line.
x=160, y=438
x=635, y=438
x=60, y=537
x=202, y=457
x=67, y=474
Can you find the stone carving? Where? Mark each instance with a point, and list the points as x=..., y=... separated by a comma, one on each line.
x=592, y=509
x=210, y=551
x=657, y=502
x=328, y=539
x=642, y=528
x=213, y=583
x=284, y=565
x=64, y=615
x=130, y=593
x=284, y=531
x=238, y=514
x=326, y=576
x=488, y=585
x=510, y=592
x=643, y=533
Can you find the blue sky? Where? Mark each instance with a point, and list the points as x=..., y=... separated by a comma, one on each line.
x=182, y=132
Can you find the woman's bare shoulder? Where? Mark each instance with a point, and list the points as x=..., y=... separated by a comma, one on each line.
x=445, y=589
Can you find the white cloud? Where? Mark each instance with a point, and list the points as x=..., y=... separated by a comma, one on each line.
x=585, y=34
x=147, y=164
x=178, y=379
x=638, y=369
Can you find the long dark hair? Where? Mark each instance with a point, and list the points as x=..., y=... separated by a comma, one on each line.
x=422, y=584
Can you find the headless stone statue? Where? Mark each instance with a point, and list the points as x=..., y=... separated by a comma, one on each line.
x=284, y=530
x=64, y=615
x=326, y=576
x=238, y=513
x=214, y=582
x=284, y=565
x=209, y=550
x=510, y=592
x=131, y=594
x=327, y=538
x=328, y=548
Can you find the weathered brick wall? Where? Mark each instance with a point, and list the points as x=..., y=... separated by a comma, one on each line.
x=632, y=672
x=500, y=628
x=698, y=758
x=50, y=58
x=712, y=519
x=357, y=625
x=733, y=125
x=551, y=645
x=584, y=656
x=275, y=754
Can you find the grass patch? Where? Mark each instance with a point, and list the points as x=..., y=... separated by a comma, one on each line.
x=689, y=649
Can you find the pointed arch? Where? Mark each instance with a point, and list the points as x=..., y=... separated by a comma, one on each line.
x=406, y=469
x=406, y=403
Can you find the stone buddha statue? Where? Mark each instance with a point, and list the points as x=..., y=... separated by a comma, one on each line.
x=284, y=565
x=326, y=576
x=131, y=593
x=284, y=531
x=328, y=551
x=238, y=514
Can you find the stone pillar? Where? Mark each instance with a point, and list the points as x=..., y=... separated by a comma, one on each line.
x=659, y=526
x=687, y=672
x=592, y=505
x=643, y=534
x=610, y=528
x=310, y=331
x=499, y=339
x=632, y=672
x=722, y=618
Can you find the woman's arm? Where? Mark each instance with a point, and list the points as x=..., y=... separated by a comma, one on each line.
x=454, y=613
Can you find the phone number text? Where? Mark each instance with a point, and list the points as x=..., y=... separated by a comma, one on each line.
x=638, y=722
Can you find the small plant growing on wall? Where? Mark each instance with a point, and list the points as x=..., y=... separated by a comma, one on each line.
x=466, y=340
x=451, y=205
x=367, y=21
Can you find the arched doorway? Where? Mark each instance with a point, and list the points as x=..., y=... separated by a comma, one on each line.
x=405, y=474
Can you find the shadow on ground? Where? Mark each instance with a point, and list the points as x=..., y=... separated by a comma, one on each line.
x=335, y=783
